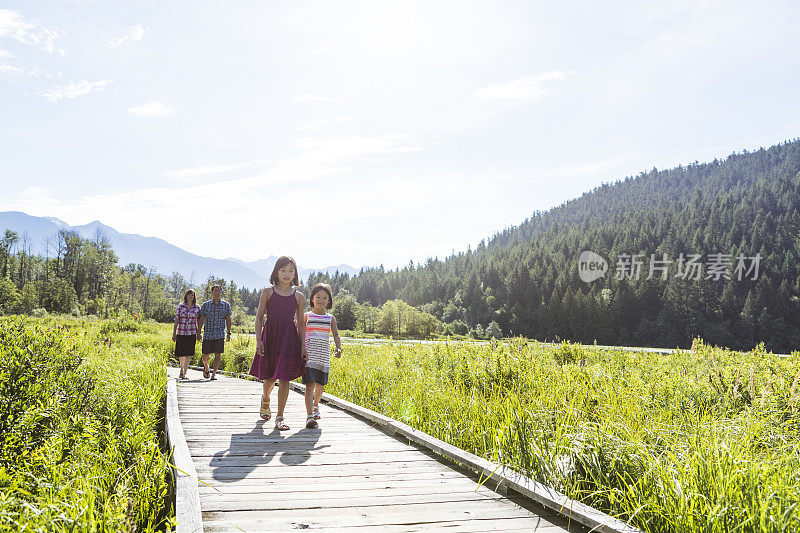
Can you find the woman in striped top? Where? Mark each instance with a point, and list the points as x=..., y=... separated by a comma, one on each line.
x=319, y=325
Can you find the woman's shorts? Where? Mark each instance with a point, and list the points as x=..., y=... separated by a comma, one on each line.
x=313, y=375
x=184, y=345
x=213, y=346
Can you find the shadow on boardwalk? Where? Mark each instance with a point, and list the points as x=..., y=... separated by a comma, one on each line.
x=261, y=449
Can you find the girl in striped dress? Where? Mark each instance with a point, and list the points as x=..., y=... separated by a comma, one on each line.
x=319, y=325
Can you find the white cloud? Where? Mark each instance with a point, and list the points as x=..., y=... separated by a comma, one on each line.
x=152, y=109
x=527, y=88
x=14, y=26
x=206, y=170
x=319, y=50
x=73, y=89
x=34, y=72
x=135, y=33
x=274, y=198
x=5, y=53
x=314, y=126
x=321, y=124
x=311, y=98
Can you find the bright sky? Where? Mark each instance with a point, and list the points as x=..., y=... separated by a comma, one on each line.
x=371, y=132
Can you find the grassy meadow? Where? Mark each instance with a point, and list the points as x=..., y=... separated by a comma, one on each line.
x=80, y=423
x=701, y=440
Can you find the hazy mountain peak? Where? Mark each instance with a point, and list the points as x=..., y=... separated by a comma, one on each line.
x=154, y=252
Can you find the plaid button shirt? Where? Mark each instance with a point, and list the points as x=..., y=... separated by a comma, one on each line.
x=186, y=318
x=214, y=325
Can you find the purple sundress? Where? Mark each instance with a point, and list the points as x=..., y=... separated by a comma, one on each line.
x=281, y=359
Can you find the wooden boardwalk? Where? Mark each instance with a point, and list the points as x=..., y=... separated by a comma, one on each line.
x=345, y=475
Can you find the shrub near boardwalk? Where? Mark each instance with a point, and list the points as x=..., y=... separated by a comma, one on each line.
x=79, y=449
x=701, y=440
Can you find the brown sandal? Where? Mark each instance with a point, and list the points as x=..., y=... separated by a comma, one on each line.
x=265, y=412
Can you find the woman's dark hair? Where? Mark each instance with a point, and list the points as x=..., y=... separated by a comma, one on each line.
x=186, y=297
x=279, y=264
x=317, y=288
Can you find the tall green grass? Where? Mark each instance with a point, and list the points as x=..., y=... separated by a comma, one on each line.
x=79, y=449
x=702, y=440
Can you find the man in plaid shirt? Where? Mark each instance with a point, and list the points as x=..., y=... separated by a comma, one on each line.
x=215, y=314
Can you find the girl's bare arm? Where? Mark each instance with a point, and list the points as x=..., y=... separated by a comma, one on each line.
x=262, y=308
x=301, y=324
x=336, y=338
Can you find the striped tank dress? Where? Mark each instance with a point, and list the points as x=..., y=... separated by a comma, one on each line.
x=318, y=344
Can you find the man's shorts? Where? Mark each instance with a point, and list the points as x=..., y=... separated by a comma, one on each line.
x=213, y=346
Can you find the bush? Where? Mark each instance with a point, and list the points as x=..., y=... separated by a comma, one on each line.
x=35, y=367
x=460, y=327
x=125, y=322
x=567, y=352
x=10, y=298
x=493, y=330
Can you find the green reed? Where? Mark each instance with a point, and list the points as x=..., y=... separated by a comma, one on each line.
x=80, y=449
x=705, y=439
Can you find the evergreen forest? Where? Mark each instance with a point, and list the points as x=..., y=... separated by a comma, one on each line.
x=524, y=280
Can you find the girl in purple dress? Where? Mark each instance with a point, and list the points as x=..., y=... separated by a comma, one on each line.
x=281, y=341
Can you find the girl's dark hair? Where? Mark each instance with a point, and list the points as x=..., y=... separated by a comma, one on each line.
x=279, y=264
x=186, y=296
x=321, y=287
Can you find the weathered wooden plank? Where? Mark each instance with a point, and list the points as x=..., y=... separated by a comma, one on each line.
x=258, y=449
x=334, y=478
x=354, y=516
x=478, y=525
x=337, y=486
x=307, y=457
x=303, y=470
x=349, y=501
x=295, y=421
x=291, y=463
x=296, y=424
x=270, y=440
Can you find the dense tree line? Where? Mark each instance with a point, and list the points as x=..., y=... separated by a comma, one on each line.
x=525, y=279
x=81, y=276
x=393, y=318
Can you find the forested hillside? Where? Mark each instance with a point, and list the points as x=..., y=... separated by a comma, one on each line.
x=525, y=279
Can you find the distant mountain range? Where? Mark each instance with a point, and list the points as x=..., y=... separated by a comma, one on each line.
x=153, y=252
